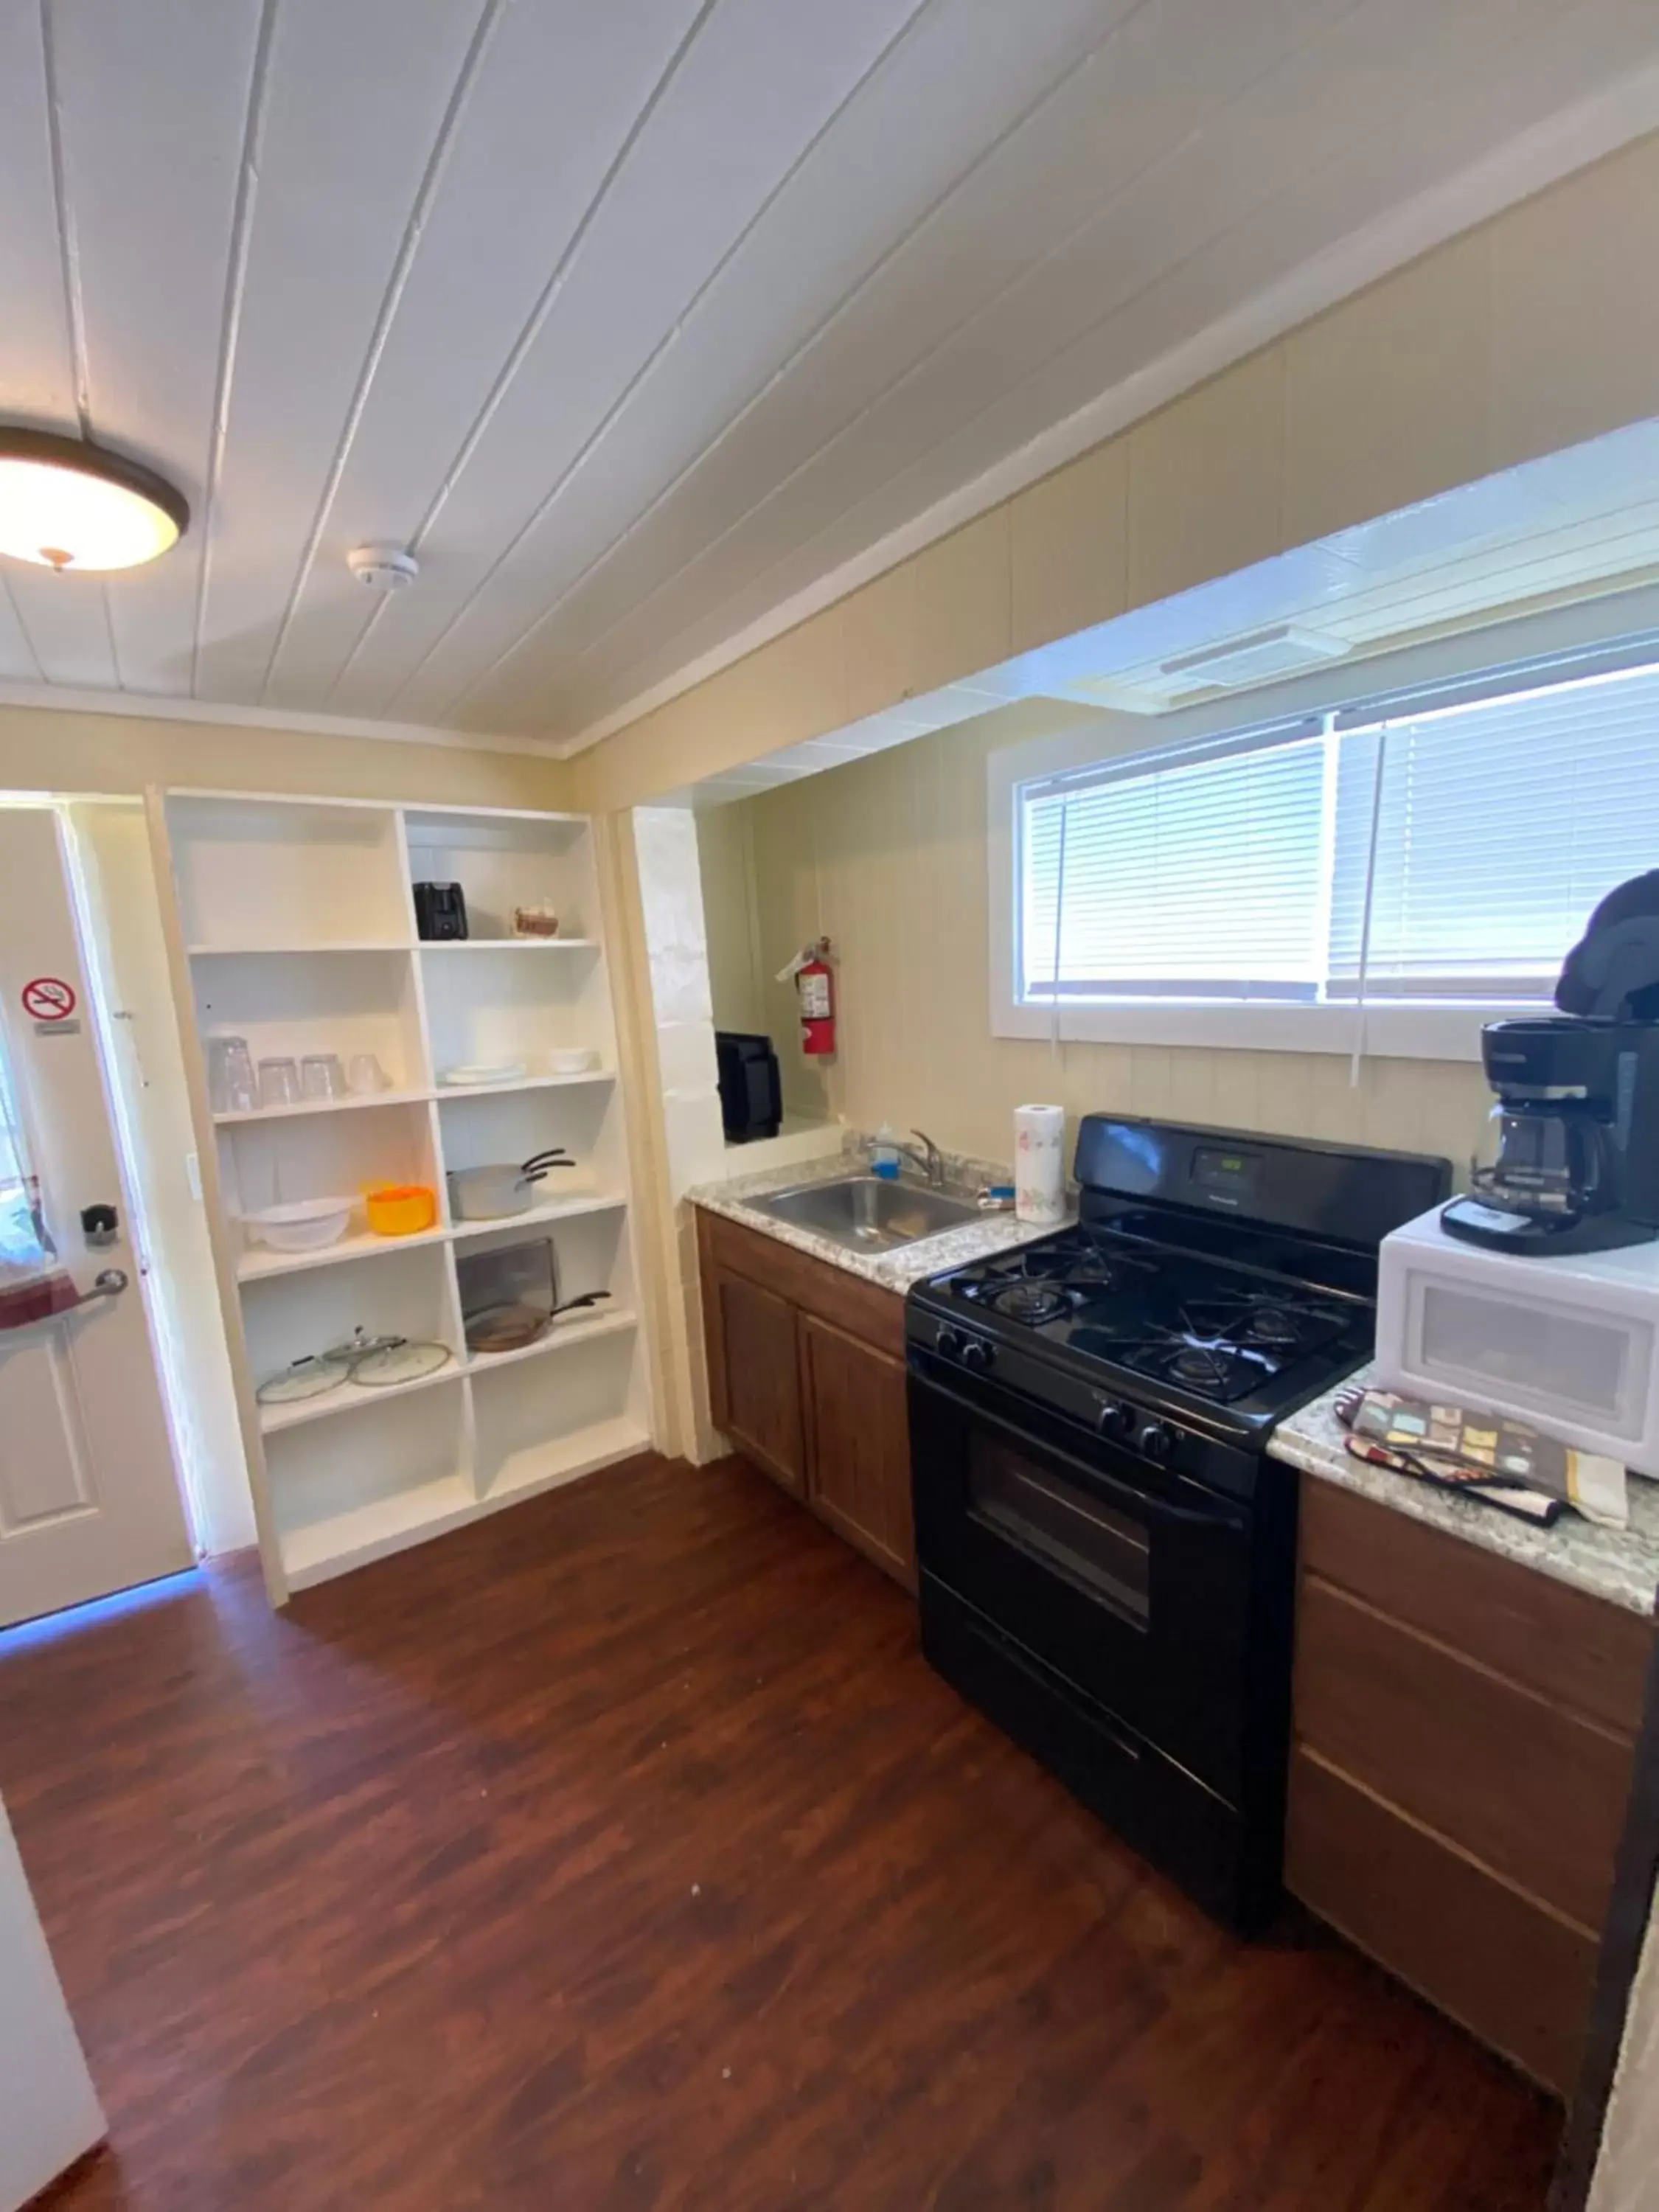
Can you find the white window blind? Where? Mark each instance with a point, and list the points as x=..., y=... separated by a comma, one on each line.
x=1242, y=871
x=1500, y=827
x=1199, y=879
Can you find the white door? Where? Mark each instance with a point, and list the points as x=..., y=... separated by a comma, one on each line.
x=89, y=1499
x=49, y=2114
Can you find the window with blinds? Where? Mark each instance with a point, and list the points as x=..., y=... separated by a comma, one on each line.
x=1452, y=857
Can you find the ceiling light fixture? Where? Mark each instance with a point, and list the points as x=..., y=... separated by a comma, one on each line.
x=65, y=503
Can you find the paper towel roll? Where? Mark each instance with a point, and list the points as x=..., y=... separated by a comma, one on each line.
x=1040, y=1164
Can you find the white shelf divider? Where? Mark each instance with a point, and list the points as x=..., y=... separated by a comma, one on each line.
x=259, y=1262
x=348, y=1397
x=564, y=1336
x=551, y=1209
x=509, y=944
x=523, y=1082
x=240, y=868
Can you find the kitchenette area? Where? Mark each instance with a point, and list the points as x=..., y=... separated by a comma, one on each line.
x=1260, y=1504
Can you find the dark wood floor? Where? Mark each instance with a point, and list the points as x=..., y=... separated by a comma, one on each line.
x=621, y=1852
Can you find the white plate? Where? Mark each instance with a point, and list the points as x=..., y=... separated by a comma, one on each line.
x=506, y=1070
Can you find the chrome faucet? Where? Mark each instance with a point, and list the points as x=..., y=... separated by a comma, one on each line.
x=929, y=1159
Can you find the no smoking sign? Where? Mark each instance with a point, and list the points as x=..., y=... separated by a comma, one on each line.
x=49, y=999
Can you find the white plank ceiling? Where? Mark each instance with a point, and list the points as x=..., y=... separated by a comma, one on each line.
x=634, y=321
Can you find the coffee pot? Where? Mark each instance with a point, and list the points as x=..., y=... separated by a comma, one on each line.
x=1577, y=1111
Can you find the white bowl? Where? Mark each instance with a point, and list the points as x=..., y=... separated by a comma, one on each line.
x=306, y=1224
x=572, y=1060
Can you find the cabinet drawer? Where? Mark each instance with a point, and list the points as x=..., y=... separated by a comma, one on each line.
x=1516, y=1976
x=863, y=1310
x=1534, y=1792
x=1578, y=1651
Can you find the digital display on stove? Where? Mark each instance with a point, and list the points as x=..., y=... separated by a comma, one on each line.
x=1228, y=1173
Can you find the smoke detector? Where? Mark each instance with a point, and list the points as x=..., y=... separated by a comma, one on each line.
x=383, y=568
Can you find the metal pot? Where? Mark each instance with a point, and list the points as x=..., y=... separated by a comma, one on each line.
x=497, y=1192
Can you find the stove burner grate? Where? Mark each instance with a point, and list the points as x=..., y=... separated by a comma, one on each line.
x=1033, y=1302
x=1206, y=1365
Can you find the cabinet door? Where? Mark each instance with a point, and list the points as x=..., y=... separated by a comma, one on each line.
x=757, y=1397
x=858, y=1440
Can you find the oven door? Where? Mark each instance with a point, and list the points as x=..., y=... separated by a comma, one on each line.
x=1132, y=1583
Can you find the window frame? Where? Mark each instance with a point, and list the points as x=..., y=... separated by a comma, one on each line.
x=1403, y=1027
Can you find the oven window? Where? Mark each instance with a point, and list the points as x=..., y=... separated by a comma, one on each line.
x=1055, y=1521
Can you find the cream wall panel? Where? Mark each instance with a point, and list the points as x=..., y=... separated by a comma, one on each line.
x=888, y=854
x=1629, y=2160
x=1204, y=481
x=1069, y=548
x=793, y=688
x=1575, y=307
x=962, y=601
x=879, y=642
x=726, y=861
x=43, y=750
x=1406, y=360
x=1386, y=397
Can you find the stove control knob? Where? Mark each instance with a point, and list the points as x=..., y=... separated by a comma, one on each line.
x=976, y=1355
x=948, y=1343
x=1114, y=1419
x=1156, y=1439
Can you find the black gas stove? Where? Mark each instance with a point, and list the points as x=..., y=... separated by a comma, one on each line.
x=1106, y=1554
x=1192, y=1325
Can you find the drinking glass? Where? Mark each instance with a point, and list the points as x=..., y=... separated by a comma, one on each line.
x=321, y=1075
x=279, y=1083
x=231, y=1088
x=364, y=1073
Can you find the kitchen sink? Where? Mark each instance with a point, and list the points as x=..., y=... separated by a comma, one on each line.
x=868, y=1214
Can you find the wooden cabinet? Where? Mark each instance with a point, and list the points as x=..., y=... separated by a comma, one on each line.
x=757, y=1394
x=806, y=1376
x=859, y=1443
x=1464, y=1729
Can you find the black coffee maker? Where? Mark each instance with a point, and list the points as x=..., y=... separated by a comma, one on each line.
x=1577, y=1165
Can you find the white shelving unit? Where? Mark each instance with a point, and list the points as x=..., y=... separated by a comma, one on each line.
x=293, y=924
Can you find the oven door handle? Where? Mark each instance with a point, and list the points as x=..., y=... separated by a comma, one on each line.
x=1142, y=1501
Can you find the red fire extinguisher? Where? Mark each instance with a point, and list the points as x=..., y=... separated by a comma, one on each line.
x=815, y=985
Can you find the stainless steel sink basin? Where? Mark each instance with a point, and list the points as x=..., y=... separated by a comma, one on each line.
x=867, y=1213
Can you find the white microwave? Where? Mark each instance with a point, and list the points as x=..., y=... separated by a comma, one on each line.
x=1570, y=1343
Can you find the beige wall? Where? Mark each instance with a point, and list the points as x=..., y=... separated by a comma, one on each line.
x=47, y=749
x=1627, y=2172
x=725, y=859
x=1530, y=332
x=888, y=856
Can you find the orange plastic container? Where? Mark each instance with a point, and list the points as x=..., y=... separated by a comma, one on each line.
x=400, y=1209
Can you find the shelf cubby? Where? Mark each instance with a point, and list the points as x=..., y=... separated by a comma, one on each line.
x=530, y=1416
x=273, y=1161
x=288, y=872
x=293, y=924
x=345, y=1492
x=289, y=1004
x=405, y=1291
x=507, y=1004
x=488, y=1128
x=503, y=860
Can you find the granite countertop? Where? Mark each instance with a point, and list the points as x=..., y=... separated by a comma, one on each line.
x=893, y=1271
x=1620, y=1564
